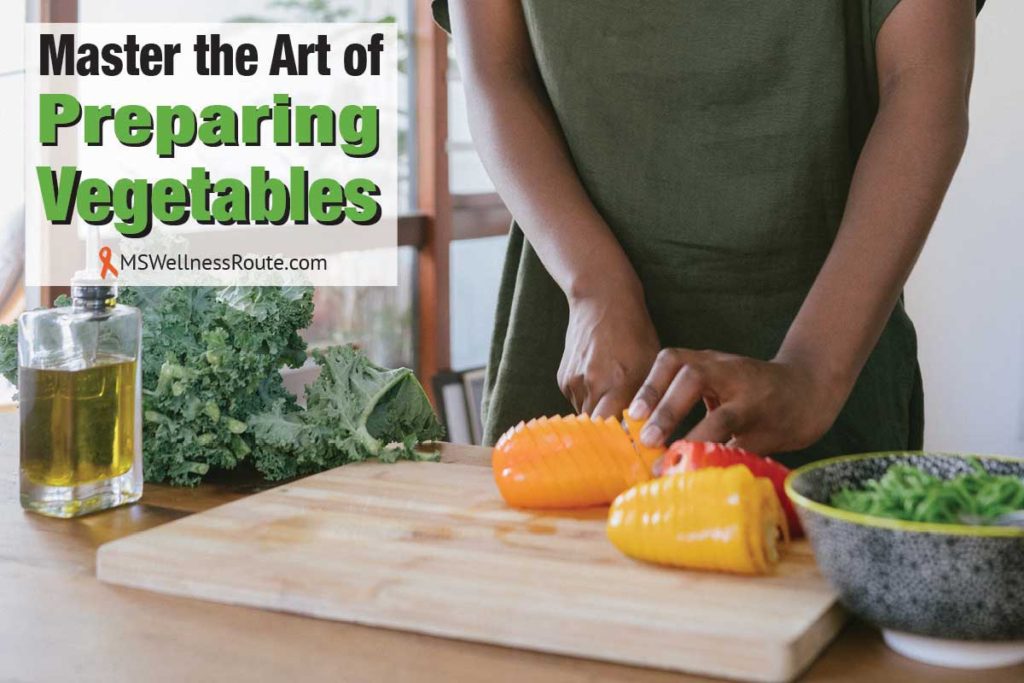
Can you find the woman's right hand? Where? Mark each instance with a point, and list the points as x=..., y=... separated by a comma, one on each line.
x=610, y=345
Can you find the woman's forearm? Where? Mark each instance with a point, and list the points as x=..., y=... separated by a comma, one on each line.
x=610, y=340
x=925, y=59
x=521, y=144
x=898, y=186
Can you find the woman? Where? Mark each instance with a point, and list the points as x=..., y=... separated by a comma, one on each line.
x=742, y=186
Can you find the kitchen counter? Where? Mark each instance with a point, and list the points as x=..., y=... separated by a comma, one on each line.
x=58, y=622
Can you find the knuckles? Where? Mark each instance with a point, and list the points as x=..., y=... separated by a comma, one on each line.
x=669, y=356
x=664, y=418
x=592, y=379
x=694, y=373
x=648, y=394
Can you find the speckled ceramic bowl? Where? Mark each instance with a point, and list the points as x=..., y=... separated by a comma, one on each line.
x=941, y=581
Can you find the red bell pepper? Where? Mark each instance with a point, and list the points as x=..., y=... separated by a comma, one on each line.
x=686, y=456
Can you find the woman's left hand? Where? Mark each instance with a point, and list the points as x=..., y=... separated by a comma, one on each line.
x=762, y=406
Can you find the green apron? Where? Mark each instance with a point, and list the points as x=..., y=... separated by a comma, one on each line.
x=718, y=139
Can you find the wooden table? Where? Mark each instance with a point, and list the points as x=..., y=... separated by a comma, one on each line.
x=57, y=622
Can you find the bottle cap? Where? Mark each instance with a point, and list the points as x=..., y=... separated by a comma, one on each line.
x=89, y=284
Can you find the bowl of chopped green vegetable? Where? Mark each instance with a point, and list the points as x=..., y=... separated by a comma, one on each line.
x=924, y=545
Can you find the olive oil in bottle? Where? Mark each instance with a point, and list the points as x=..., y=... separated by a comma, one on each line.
x=79, y=399
x=78, y=425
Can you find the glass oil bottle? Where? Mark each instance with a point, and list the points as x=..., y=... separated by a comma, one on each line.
x=79, y=390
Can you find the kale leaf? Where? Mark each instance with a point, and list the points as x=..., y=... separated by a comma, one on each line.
x=354, y=410
x=9, y=352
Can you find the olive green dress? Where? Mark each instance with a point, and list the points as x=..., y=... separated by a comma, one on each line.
x=718, y=139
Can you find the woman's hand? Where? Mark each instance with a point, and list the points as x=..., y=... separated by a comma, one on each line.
x=762, y=406
x=610, y=344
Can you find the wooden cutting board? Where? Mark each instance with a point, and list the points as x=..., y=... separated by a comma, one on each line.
x=430, y=547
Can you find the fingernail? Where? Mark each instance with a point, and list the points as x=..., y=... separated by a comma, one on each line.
x=651, y=435
x=659, y=466
x=638, y=409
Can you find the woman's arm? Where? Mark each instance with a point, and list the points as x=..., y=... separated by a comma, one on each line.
x=925, y=55
x=611, y=342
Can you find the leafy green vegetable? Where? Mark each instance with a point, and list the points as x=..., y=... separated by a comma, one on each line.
x=905, y=492
x=9, y=352
x=213, y=396
x=209, y=361
x=354, y=410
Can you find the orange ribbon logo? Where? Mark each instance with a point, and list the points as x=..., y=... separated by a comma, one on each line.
x=108, y=267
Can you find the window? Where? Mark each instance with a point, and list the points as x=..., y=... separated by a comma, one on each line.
x=12, y=80
x=380, y=320
x=445, y=290
x=478, y=245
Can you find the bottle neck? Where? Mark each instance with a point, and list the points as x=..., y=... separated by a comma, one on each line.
x=91, y=305
x=93, y=298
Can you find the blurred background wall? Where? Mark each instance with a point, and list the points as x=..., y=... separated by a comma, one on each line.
x=967, y=293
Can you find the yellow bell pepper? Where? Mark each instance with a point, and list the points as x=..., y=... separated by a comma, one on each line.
x=721, y=519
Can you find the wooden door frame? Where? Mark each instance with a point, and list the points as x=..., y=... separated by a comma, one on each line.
x=433, y=315
x=56, y=12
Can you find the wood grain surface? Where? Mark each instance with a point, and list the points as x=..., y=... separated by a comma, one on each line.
x=57, y=622
x=432, y=548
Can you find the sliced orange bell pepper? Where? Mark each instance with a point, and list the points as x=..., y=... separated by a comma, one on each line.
x=568, y=462
x=722, y=519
